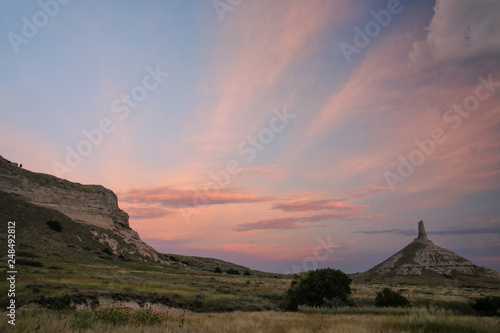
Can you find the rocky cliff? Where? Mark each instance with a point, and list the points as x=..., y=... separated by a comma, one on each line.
x=92, y=205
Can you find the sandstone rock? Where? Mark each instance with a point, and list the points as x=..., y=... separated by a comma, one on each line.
x=423, y=255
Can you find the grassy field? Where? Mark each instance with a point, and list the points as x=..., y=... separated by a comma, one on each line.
x=203, y=290
x=202, y=301
x=307, y=320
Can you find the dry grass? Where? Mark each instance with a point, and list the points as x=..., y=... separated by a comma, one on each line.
x=416, y=320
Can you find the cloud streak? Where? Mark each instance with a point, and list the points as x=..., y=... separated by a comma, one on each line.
x=304, y=205
x=288, y=223
x=443, y=232
x=172, y=197
x=147, y=213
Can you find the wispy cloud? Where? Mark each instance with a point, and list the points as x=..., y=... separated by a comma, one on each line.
x=287, y=223
x=408, y=232
x=272, y=171
x=138, y=213
x=173, y=197
x=366, y=191
x=443, y=232
x=484, y=220
x=470, y=28
x=303, y=205
x=467, y=231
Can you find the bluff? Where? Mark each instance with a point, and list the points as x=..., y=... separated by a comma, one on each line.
x=91, y=205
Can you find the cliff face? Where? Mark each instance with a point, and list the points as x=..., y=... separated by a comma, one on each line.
x=93, y=205
x=90, y=204
x=423, y=255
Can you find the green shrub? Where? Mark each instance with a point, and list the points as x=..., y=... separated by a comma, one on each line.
x=107, y=250
x=489, y=306
x=247, y=273
x=217, y=270
x=54, y=225
x=233, y=271
x=322, y=287
x=390, y=298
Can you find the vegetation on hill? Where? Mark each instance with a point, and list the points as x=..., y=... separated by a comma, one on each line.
x=389, y=298
x=322, y=287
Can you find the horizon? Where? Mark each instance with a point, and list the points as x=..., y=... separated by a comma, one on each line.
x=281, y=136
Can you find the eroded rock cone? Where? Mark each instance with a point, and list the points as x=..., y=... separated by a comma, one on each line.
x=423, y=255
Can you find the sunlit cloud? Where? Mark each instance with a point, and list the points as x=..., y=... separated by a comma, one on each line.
x=286, y=223
x=272, y=171
x=303, y=205
x=174, y=198
x=443, y=232
x=483, y=220
x=459, y=32
x=138, y=213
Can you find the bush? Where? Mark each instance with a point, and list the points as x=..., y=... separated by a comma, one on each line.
x=489, y=305
x=54, y=225
x=390, y=298
x=322, y=287
x=217, y=270
x=247, y=273
x=233, y=271
x=108, y=251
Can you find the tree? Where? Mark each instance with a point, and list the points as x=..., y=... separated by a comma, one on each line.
x=390, y=298
x=217, y=270
x=322, y=287
x=489, y=305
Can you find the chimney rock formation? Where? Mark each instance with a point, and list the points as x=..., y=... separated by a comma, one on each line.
x=423, y=255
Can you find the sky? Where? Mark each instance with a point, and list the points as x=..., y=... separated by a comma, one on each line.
x=280, y=135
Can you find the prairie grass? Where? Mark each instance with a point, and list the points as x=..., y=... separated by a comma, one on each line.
x=416, y=320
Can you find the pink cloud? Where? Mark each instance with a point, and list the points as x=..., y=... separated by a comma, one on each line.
x=303, y=205
x=366, y=191
x=272, y=171
x=484, y=220
x=172, y=197
x=138, y=213
x=287, y=223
